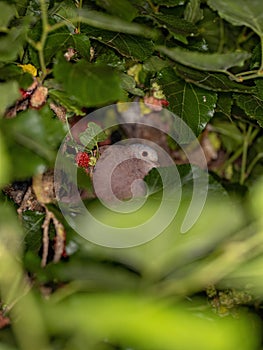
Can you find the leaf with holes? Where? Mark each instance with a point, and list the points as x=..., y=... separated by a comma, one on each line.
x=92, y=135
x=59, y=41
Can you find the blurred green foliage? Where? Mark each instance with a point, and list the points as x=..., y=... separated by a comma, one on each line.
x=199, y=290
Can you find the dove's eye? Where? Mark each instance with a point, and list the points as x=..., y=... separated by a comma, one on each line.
x=145, y=154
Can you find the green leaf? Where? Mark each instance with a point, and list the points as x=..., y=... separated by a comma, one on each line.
x=155, y=64
x=32, y=140
x=9, y=93
x=6, y=13
x=32, y=224
x=88, y=84
x=119, y=8
x=128, y=84
x=243, y=12
x=193, y=13
x=211, y=81
x=129, y=45
x=187, y=173
x=134, y=319
x=169, y=3
x=12, y=43
x=63, y=40
x=125, y=44
x=111, y=58
x=224, y=104
x=92, y=135
x=252, y=105
x=103, y=21
x=259, y=86
x=214, y=62
x=209, y=28
x=62, y=98
x=179, y=28
x=5, y=164
x=194, y=105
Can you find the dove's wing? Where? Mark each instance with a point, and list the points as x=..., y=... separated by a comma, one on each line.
x=119, y=174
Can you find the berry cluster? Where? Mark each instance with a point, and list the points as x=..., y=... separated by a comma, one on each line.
x=155, y=104
x=82, y=159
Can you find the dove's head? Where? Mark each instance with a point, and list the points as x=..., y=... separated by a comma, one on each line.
x=144, y=152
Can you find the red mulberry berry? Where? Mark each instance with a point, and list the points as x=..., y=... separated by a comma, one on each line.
x=165, y=103
x=82, y=159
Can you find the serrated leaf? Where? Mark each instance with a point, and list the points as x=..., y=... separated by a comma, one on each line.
x=224, y=104
x=63, y=40
x=92, y=135
x=88, y=84
x=211, y=81
x=252, y=105
x=111, y=58
x=130, y=46
x=12, y=43
x=194, y=105
x=179, y=28
x=6, y=13
x=119, y=8
x=259, y=86
x=125, y=44
x=243, y=12
x=32, y=224
x=214, y=62
x=9, y=93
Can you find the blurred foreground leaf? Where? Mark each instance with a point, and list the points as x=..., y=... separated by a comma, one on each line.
x=88, y=84
x=241, y=13
x=142, y=322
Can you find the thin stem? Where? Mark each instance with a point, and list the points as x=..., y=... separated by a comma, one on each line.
x=246, y=73
x=233, y=76
x=253, y=163
x=244, y=156
x=44, y=15
x=222, y=41
x=80, y=7
x=40, y=45
x=70, y=134
x=250, y=136
x=259, y=74
x=154, y=8
x=231, y=160
x=261, y=66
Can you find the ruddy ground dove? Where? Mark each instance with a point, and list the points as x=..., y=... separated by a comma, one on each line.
x=120, y=170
